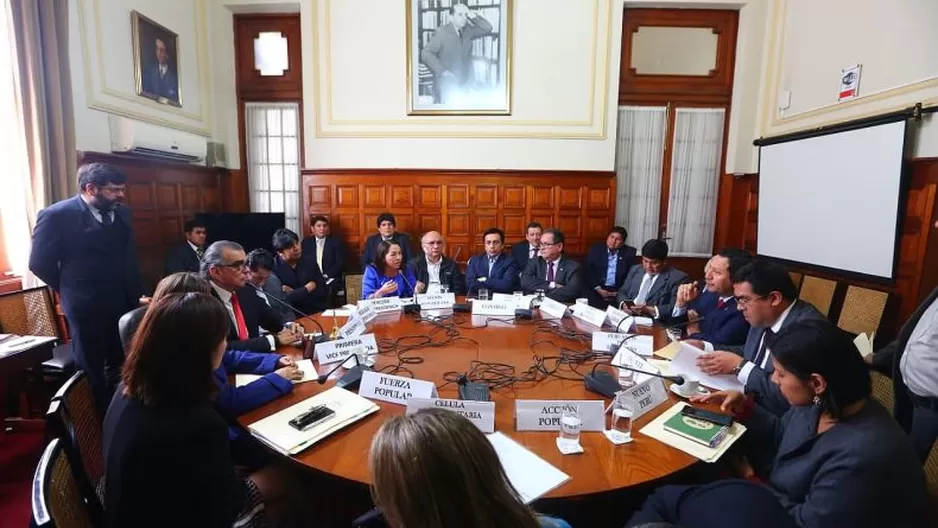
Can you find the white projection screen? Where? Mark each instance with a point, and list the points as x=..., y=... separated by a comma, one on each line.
x=833, y=200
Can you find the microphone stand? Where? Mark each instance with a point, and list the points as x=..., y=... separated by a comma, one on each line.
x=322, y=332
x=674, y=379
x=413, y=307
x=350, y=379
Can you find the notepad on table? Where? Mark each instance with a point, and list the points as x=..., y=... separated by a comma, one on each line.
x=655, y=429
x=703, y=432
x=531, y=475
x=276, y=431
x=305, y=366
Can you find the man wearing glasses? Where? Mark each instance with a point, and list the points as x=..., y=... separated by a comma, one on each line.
x=768, y=299
x=433, y=269
x=553, y=272
x=224, y=265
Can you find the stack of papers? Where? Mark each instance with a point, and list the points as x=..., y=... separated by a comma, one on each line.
x=655, y=429
x=276, y=432
x=305, y=365
x=530, y=474
x=685, y=364
x=13, y=343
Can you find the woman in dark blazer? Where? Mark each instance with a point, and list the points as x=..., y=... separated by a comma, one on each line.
x=167, y=455
x=840, y=459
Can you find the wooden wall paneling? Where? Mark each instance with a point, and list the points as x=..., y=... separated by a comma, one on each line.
x=250, y=83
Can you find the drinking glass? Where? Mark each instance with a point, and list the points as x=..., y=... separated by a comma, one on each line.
x=620, y=422
x=626, y=378
x=483, y=294
x=570, y=425
x=444, y=288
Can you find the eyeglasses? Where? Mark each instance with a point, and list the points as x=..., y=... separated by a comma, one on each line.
x=742, y=302
x=548, y=244
x=238, y=264
x=434, y=243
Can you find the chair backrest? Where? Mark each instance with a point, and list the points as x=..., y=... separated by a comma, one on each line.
x=796, y=278
x=353, y=287
x=84, y=427
x=28, y=312
x=819, y=292
x=862, y=310
x=55, y=497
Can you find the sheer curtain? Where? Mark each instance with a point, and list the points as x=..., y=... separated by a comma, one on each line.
x=695, y=169
x=639, y=160
x=273, y=156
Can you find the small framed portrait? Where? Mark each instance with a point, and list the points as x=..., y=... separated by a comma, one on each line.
x=156, y=60
x=459, y=57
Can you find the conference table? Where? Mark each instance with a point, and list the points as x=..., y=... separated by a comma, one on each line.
x=438, y=351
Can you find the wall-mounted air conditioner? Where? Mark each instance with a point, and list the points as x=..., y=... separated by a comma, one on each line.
x=143, y=139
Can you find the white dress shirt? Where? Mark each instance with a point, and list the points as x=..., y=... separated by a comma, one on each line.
x=743, y=375
x=225, y=297
x=553, y=283
x=434, y=270
x=919, y=362
x=95, y=212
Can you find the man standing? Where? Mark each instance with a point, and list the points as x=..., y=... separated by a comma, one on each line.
x=433, y=269
x=492, y=270
x=554, y=273
x=449, y=52
x=160, y=80
x=387, y=232
x=304, y=286
x=606, y=266
x=327, y=251
x=522, y=252
x=712, y=315
x=186, y=255
x=83, y=247
x=651, y=289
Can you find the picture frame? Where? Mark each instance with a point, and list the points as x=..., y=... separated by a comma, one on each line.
x=459, y=57
x=156, y=61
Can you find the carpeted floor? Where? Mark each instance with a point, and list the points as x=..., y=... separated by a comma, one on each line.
x=19, y=454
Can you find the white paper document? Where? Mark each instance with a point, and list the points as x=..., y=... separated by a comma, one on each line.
x=338, y=312
x=656, y=430
x=685, y=364
x=13, y=343
x=531, y=475
x=864, y=343
x=305, y=365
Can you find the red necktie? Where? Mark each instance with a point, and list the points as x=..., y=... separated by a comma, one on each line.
x=550, y=272
x=721, y=304
x=239, y=317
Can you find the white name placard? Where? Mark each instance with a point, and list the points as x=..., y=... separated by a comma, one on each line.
x=614, y=316
x=520, y=301
x=644, y=321
x=394, y=389
x=383, y=305
x=544, y=415
x=493, y=308
x=481, y=413
x=643, y=345
x=353, y=327
x=588, y=314
x=367, y=313
x=645, y=396
x=339, y=350
x=551, y=309
x=630, y=359
x=604, y=340
x=436, y=301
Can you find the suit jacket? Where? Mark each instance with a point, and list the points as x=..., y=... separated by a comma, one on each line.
x=181, y=257
x=846, y=476
x=887, y=359
x=166, y=86
x=503, y=279
x=306, y=271
x=333, y=255
x=520, y=252
x=726, y=326
x=597, y=260
x=759, y=383
x=274, y=288
x=256, y=315
x=371, y=248
x=567, y=276
x=662, y=294
x=449, y=50
x=449, y=273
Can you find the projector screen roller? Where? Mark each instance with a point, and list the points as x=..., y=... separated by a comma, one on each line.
x=833, y=200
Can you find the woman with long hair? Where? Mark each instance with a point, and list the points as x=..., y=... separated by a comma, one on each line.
x=435, y=468
x=387, y=276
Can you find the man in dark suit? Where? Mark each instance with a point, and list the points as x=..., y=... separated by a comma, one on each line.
x=522, y=252
x=387, y=231
x=651, y=289
x=768, y=299
x=712, y=314
x=304, y=286
x=606, y=266
x=83, y=247
x=492, y=270
x=328, y=251
x=185, y=255
x=160, y=79
x=448, y=54
x=552, y=272
x=224, y=264
x=433, y=269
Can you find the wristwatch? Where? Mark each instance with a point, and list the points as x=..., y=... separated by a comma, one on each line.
x=738, y=368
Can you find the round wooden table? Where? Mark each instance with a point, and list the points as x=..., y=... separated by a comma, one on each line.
x=601, y=468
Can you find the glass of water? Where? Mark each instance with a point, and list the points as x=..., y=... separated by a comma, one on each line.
x=483, y=294
x=444, y=287
x=570, y=425
x=620, y=424
x=626, y=378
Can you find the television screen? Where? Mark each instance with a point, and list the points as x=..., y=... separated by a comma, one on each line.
x=251, y=230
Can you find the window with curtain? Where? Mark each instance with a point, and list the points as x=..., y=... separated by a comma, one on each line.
x=273, y=158
x=639, y=162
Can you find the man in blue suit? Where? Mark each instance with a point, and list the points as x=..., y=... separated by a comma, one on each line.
x=160, y=79
x=712, y=315
x=522, y=252
x=606, y=266
x=83, y=247
x=492, y=270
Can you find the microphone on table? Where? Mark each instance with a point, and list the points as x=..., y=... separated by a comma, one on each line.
x=410, y=308
x=608, y=385
x=350, y=379
x=322, y=337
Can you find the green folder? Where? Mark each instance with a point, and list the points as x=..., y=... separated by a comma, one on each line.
x=700, y=431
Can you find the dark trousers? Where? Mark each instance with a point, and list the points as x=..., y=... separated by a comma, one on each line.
x=924, y=429
x=597, y=301
x=98, y=352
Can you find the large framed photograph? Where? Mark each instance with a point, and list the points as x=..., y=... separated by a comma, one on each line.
x=458, y=57
x=156, y=60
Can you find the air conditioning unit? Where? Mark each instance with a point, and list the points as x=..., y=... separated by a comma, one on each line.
x=151, y=141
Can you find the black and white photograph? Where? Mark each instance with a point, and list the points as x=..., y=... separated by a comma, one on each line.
x=459, y=57
x=156, y=60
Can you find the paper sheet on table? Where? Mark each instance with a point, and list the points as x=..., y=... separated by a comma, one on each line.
x=663, y=365
x=668, y=352
x=864, y=343
x=655, y=429
x=338, y=312
x=644, y=321
x=306, y=365
x=685, y=363
x=531, y=475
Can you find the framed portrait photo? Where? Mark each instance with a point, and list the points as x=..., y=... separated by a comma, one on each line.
x=156, y=60
x=458, y=57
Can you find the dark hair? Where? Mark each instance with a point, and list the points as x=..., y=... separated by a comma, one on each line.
x=619, y=229
x=99, y=175
x=318, y=218
x=382, y=251
x=655, y=249
x=284, y=239
x=534, y=225
x=494, y=231
x=766, y=277
x=818, y=347
x=192, y=224
x=181, y=282
x=737, y=258
x=556, y=233
x=386, y=217
x=170, y=361
x=260, y=259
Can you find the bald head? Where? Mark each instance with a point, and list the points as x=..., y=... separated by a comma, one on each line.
x=433, y=245
x=460, y=15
